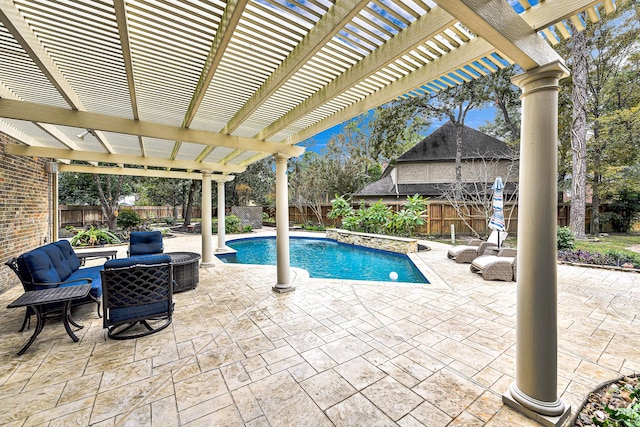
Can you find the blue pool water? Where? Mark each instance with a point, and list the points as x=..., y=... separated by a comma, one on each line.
x=324, y=258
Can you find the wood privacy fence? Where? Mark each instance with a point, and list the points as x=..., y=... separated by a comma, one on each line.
x=84, y=215
x=440, y=216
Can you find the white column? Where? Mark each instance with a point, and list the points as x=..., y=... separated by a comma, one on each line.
x=221, y=218
x=282, y=225
x=534, y=391
x=207, y=241
x=55, y=207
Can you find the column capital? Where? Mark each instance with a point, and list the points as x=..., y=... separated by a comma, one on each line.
x=206, y=172
x=281, y=157
x=222, y=178
x=540, y=76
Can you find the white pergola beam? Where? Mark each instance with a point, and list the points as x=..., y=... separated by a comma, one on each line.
x=82, y=119
x=469, y=52
x=224, y=33
x=328, y=26
x=425, y=28
x=495, y=20
x=11, y=17
x=542, y=16
x=553, y=11
x=104, y=170
x=59, y=153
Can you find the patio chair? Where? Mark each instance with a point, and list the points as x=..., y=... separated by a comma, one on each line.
x=496, y=267
x=145, y=243
x=464, y=254
x=137, y=295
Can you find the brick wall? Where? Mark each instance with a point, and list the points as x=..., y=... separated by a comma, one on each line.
x=24, y=207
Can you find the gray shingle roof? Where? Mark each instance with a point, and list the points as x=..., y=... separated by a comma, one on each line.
x=441, y=145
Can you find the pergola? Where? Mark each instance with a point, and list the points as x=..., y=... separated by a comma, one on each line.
x=201, y=89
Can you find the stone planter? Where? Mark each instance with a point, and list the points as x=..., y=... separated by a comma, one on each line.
x=401, y=245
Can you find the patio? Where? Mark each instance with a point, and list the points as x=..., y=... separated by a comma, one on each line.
x=333, y=352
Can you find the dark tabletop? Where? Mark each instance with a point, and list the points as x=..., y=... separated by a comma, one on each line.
x=45, y=296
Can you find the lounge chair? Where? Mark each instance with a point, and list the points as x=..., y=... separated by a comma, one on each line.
x=496, y=267
x=464, y=254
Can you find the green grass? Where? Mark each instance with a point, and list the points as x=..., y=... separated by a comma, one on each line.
x=611, y=242
x=603, y=244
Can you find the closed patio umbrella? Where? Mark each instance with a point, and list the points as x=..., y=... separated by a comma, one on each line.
x=497, y=218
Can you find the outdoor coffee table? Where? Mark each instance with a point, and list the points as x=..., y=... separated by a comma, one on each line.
x=185, y=270
x=106, y=254
x=37, y=299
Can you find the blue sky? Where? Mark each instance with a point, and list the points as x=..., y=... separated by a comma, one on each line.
x=475, y=119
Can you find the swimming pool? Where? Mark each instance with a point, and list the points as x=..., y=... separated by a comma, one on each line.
x=324, y=258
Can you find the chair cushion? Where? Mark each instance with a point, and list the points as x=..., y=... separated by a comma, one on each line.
x=125, y=314
x=69, y=254
x=137, y=260
x=37, y=266
x=92, y=273
x=145, y=242
x=59, y=261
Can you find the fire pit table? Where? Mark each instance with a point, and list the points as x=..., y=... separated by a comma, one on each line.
x=185, y=270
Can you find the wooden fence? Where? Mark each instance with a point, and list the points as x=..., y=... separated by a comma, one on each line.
x=440, y=216
x=85, y=215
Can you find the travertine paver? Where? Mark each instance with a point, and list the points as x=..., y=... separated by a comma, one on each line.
x=332, y=353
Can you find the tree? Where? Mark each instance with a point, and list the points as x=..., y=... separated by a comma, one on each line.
x=343, y=167
x=477, y=197
x=506, y=97
x=579, y=134
x=395, y=128
x=610, y=45
x=254, y=185
x=100, y=190
x=109, y=197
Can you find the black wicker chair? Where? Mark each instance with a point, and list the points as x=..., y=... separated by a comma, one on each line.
x=137, y=295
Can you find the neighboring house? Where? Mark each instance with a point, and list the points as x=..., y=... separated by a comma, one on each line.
x=429, y=167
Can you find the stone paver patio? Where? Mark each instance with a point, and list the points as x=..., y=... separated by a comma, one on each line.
x=334, y=352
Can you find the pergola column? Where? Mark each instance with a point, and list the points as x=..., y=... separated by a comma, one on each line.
x=534, y=391
x=207, y=241
x=282, y=226
x=221, y=217
x=55, y=209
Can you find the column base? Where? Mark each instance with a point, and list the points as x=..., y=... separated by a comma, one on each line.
x=545, y=420
x=283, y=289
x=207, y=264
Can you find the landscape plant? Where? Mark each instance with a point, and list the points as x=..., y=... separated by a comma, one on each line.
x=379, y=218
x=128, y=218
x=94, y=236
x=566, y=238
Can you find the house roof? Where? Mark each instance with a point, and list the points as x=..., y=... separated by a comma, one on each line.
x=441, y=145
x=384, y=188
x=214, y=85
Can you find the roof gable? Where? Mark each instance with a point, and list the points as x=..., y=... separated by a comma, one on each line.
x=441, y=145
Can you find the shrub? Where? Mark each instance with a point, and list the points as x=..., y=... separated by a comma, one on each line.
x=128, y=218
x=231, y=224
x=566, y=239
x=170, y=220
x=247, y=229
x=94, y=236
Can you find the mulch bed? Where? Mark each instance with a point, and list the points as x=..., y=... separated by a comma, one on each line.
x=614, y=394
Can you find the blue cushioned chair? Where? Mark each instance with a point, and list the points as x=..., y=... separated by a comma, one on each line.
x=145, y=243
x=137, y=295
